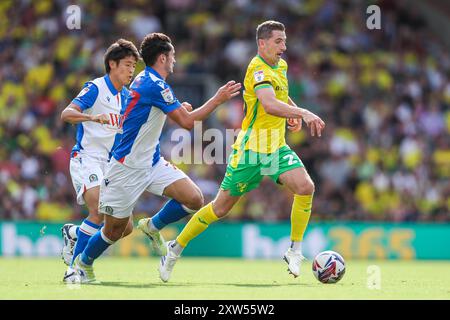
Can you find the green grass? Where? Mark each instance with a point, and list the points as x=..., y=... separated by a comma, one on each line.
x=195, y=278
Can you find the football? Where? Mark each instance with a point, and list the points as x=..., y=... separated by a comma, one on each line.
x=328, y=267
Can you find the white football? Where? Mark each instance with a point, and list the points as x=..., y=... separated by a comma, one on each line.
x=328, y=267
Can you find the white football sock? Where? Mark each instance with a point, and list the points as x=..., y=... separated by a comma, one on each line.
x=151, y=226
x=296, y=246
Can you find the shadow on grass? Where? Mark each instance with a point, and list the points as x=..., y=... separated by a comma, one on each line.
x=175, y=285
x=124, y=285
x=268, y=285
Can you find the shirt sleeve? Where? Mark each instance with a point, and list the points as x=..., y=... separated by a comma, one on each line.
x=261, y=78
x=87, y=96
x=164, y=99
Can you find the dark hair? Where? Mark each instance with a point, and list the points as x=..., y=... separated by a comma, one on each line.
x=153, y=45
x=118, y=50
x=264, y=30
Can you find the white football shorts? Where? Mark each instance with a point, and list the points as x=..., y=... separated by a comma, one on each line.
x=122, y=186
x=86, y=173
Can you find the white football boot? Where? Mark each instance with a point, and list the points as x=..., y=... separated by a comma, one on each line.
x=157, y=240
x=85, y=272
x=68, y=245
x=294, y=260
x=71, y=276
x=167, y=263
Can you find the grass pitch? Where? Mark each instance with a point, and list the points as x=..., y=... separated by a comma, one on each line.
x=224, y=279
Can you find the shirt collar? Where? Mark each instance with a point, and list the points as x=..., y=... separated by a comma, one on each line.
x=153, y=71
x=110, y=85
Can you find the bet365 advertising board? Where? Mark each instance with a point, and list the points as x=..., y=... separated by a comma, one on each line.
x=254, y=240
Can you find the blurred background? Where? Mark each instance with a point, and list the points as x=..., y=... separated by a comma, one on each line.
x=384, y=95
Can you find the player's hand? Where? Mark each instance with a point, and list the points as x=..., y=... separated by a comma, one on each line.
x=228, y=91
x=313, y=122
x=294, y=124
x=101, y=118
x=187, y=106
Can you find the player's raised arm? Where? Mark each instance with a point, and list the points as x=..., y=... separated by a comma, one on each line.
x=87, y=97
x=186, y=118
x=73, y=114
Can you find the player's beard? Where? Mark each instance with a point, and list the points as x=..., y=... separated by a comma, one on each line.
x=169, y=69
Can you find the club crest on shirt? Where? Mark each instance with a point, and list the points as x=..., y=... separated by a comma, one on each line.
x=160, y=83
x=167, y=95
x=259, y=76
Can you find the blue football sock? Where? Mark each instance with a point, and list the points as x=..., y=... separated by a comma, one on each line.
x=86, y=230
x=97, y=244
x=171, y=212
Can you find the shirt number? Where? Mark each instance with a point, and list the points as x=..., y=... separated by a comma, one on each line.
x=291, y=160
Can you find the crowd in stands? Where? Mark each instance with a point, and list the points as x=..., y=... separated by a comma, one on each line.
x=384, y=95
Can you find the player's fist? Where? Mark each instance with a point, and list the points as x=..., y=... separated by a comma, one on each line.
x=228, y=91
x=187, y=106
x=100, y=118
x=294, y=124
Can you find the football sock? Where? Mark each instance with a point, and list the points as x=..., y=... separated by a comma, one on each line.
x=197, y=224
x=171, y=212
x=301, y=211
x=97, y=244
x=151, y=226
x=73, y=232
x=86, y=230
x=176, y=247
x=296, y=246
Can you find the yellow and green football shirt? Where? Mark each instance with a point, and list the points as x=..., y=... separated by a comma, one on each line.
x=261, y=132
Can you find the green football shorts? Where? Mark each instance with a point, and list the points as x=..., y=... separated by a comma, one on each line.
x=246, y=169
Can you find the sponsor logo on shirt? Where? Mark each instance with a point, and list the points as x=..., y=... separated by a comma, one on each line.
x=167, y=96
x=259, y=76
x=83, y=92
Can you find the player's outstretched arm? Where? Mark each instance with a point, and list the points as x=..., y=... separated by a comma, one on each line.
x=73, y=114
x=278, y=108
x=186, y=118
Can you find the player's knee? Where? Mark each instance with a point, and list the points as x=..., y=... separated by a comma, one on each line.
x=305, y=187
x=309, y=187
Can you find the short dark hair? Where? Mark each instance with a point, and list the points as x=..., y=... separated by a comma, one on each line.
x=118, y=50
x=153, y=45
x=264, y=30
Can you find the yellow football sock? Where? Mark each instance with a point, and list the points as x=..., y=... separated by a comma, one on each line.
x=301, y=211
x=197, y=224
